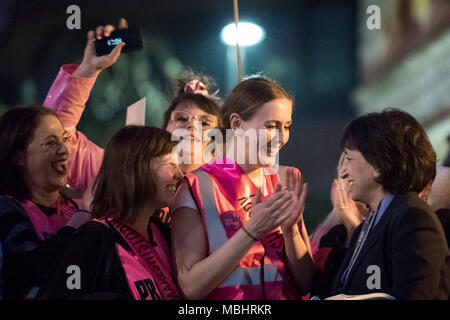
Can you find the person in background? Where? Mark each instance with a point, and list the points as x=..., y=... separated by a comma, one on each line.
x=439, y=198
x=36, y=217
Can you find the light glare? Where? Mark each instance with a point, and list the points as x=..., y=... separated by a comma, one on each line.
x=249, y=34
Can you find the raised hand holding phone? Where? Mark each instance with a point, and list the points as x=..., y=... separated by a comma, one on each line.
x=92, y=65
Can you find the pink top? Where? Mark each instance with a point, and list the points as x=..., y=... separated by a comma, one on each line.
x=68, y=96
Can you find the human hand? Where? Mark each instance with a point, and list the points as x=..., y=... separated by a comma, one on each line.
x=92, y=65
x=270, y=213
x=346, y=208
x=298, y=191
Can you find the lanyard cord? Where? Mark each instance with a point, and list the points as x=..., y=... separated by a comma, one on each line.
x=261, y=274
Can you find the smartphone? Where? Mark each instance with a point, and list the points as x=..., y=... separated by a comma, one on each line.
x=131, y=36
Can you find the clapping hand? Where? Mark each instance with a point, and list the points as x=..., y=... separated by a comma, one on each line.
x=297, y=191
x=346, y=208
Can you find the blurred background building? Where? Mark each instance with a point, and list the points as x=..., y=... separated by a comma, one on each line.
x=321, y=50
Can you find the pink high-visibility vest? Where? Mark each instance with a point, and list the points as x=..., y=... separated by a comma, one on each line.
x=47, y=226
x=223, y=193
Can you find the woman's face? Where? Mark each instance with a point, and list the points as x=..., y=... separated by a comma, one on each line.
x=362, y=208
x=275, y=117
x=45, y=158
x=166, y=176
x=181, y=125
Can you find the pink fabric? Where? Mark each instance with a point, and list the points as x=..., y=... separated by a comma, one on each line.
x=68, y=96
x=233, y=191
x=47, y=226
x=196, y=87
x=141, y=283
x=148, y=269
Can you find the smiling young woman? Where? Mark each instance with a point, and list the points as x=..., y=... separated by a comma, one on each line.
x=231, y=213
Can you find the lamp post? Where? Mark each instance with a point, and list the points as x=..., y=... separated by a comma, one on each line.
x=247, y=34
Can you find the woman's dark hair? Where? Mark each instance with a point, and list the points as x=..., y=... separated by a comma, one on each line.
x=17, y=127
x=125, y=182
x=396, y=144
x=208, y=104
x=249, y=96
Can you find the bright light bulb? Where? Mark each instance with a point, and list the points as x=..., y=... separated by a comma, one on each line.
x=248, y=33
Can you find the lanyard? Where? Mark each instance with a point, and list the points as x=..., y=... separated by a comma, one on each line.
x=367, y=226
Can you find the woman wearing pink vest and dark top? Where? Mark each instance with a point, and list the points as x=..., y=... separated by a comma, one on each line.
x=121, y=254
x=222, y=253
x=70, y=92
x=36, y=218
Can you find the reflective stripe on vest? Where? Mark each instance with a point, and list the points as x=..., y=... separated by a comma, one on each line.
x=217, y=237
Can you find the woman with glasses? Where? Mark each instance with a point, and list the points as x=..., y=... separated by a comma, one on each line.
x=190, y=116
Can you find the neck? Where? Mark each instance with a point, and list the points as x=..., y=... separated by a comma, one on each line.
x=376, y=199
x=185, y=168
x=252, y=170
x=143, y=219
x=45, y=198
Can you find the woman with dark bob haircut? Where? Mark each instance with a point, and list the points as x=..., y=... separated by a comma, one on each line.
x=121, y=254
x=36, y=218
x=396, y=144
x=400, y=249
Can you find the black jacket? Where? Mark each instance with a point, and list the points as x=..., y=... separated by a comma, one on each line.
x=409, y=247
x=24, y=258
x=92, y=249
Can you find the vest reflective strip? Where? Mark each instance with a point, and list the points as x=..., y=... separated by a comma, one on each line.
x=251, y=276
x=216, y=231
x=217, y=237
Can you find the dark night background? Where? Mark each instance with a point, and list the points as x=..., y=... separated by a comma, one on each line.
x=309, y=48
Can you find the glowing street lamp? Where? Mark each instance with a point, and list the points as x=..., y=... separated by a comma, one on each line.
x=249, y=34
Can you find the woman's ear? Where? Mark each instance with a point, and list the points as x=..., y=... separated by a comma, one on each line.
x=235, y=121
x=376, y=173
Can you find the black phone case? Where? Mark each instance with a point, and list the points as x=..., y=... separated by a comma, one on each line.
x=131, y=36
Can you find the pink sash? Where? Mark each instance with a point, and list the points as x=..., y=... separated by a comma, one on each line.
x=154, y=260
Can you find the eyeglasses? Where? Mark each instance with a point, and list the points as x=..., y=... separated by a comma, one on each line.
x=182, y=118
